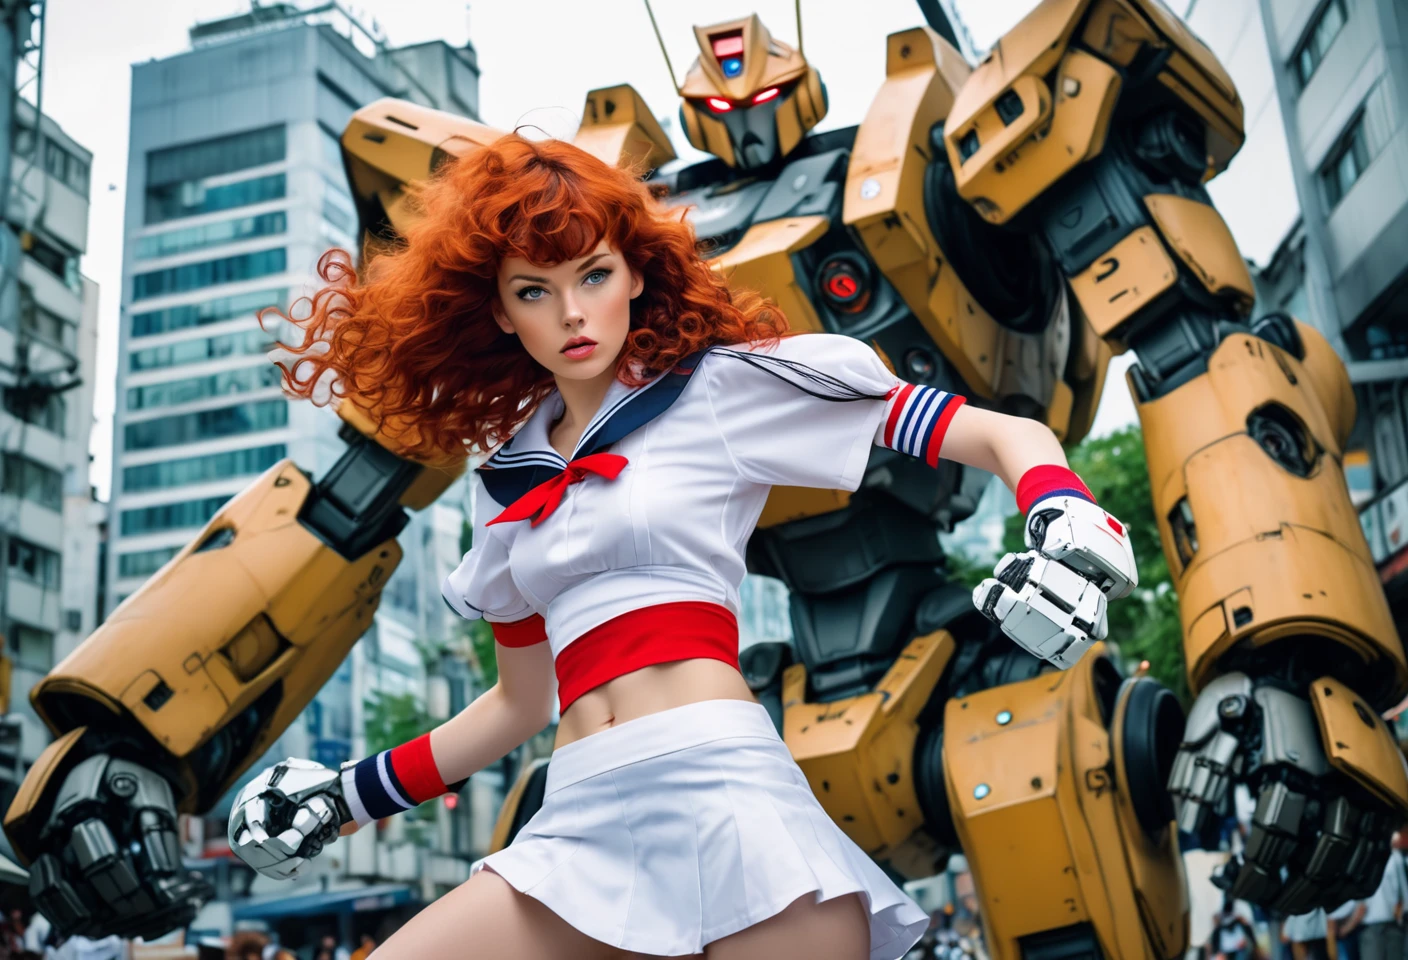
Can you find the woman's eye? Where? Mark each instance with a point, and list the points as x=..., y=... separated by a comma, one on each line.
x=532, y=293
x=596, y=277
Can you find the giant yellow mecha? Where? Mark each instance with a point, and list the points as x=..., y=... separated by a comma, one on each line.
x=999, y=231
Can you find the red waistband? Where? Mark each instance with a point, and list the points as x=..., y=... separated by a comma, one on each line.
x=663, y=633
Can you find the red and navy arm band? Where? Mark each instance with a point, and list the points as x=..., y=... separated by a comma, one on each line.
x=916, y=419
x=520, y=633
x=1049, y=480
x=393, y=781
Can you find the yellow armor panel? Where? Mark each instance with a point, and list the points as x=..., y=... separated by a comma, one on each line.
x=1033, y=778
x=1274, y=554
x=857, y=753
x=256, y=599
x=1359, y=743
x=619, y=129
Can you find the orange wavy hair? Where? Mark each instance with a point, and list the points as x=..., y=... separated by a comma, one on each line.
x=413, y=336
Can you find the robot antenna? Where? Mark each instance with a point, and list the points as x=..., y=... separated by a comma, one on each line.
x=663, y=52
x=799, y=29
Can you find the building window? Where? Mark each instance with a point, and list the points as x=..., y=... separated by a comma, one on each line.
x=64, y=166
x=32, y=481
x=1323, y=30
x=43, y=323
x=171, y=516
x=207, y=312
x=332, y=149
x=338, y=209
x=215, y=157
x=192, y=197
x=38, y=407
x=211, y=467
x=184, y=240
x=35, y=564
x=144, y=563
x=207, y=424
x=219, y=384
x=209, y=273
x=242, y=344
x=32, y=648
x=60, y=262
x=73, y=620
x=1361, y=142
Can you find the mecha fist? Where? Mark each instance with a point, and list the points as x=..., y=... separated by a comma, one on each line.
x=284, y=817
x=1051, y=599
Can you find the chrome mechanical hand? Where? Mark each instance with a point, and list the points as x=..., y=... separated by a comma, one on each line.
x=1316, y=840
x=113, y=859
x=286, y=815
x=1051, y=599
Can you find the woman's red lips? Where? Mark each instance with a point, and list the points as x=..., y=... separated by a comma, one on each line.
x=573, y=347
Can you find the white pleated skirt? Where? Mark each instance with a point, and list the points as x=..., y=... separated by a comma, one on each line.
x=673, y=830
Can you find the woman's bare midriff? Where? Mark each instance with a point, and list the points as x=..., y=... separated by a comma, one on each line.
x=650, y=690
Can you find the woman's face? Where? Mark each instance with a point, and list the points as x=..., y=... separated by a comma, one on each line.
x=572, y=317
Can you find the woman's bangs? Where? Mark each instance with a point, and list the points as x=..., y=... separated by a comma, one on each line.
x=557, y=224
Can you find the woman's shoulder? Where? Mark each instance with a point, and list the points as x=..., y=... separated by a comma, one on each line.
x=831, y=362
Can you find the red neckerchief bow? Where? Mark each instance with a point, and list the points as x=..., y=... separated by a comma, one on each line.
x=544, y=498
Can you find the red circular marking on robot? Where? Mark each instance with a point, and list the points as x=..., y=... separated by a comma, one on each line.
x=842, y=285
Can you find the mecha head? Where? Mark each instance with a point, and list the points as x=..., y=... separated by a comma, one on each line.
x=749, y=99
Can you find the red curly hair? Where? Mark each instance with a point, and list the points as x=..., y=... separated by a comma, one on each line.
x=414, y=337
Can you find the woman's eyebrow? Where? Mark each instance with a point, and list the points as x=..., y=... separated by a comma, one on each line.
x=592, y=260
x=522, y=276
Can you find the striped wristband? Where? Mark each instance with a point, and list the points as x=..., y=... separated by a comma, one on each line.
x=916, y=419
x=392, y=781
x=1049, y=480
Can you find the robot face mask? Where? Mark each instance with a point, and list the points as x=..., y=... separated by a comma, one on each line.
x=749, y=99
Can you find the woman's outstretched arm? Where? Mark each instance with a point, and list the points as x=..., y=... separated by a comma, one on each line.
x=500, y=719
x=1003, y=445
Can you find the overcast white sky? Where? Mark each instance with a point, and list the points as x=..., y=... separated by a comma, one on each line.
x=538, y=59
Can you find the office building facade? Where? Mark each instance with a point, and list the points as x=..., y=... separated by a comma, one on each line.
x=1341, y=72
x=235, y=190
x=47, y=355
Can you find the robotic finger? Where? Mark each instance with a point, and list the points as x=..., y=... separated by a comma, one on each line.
x=286, y=815
x=1316, y=838
x=1049, y=609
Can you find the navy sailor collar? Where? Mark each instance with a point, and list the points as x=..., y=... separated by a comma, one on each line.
x=528, y=458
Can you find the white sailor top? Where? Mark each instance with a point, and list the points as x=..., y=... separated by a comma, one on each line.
x=702, y=446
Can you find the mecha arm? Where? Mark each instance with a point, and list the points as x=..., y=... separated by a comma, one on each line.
x=1092, y=129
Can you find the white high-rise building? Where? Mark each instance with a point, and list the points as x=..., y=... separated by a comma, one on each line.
x=47, y=350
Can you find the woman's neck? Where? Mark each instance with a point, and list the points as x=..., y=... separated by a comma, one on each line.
x=581, y=399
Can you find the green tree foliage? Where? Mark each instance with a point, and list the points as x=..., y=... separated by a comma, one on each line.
x=1144, y=624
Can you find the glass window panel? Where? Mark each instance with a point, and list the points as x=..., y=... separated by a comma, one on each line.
x=202, y=388
x=208, y=311
x=189, y=198
x=191, y=470
x=207, y=273
x=244, y=343
x=212, y=158
x=31, y=647
x=144, y=563
x=210, y=234
x=171, y=516
x=33, y=563
x=207, y=424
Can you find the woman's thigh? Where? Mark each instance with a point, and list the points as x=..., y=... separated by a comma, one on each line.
x=485, y=917
x=836, y=929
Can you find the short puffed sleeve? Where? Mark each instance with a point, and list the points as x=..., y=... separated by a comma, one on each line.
x=482, y=585
x=803, y=411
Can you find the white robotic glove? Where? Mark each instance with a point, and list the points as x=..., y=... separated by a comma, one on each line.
x=284, y=817
x=1051, y=599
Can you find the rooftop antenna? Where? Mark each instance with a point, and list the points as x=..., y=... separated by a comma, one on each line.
x=663, y=52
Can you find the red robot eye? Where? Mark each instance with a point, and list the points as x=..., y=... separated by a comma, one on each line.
x=719, y=105
x=766, y=95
